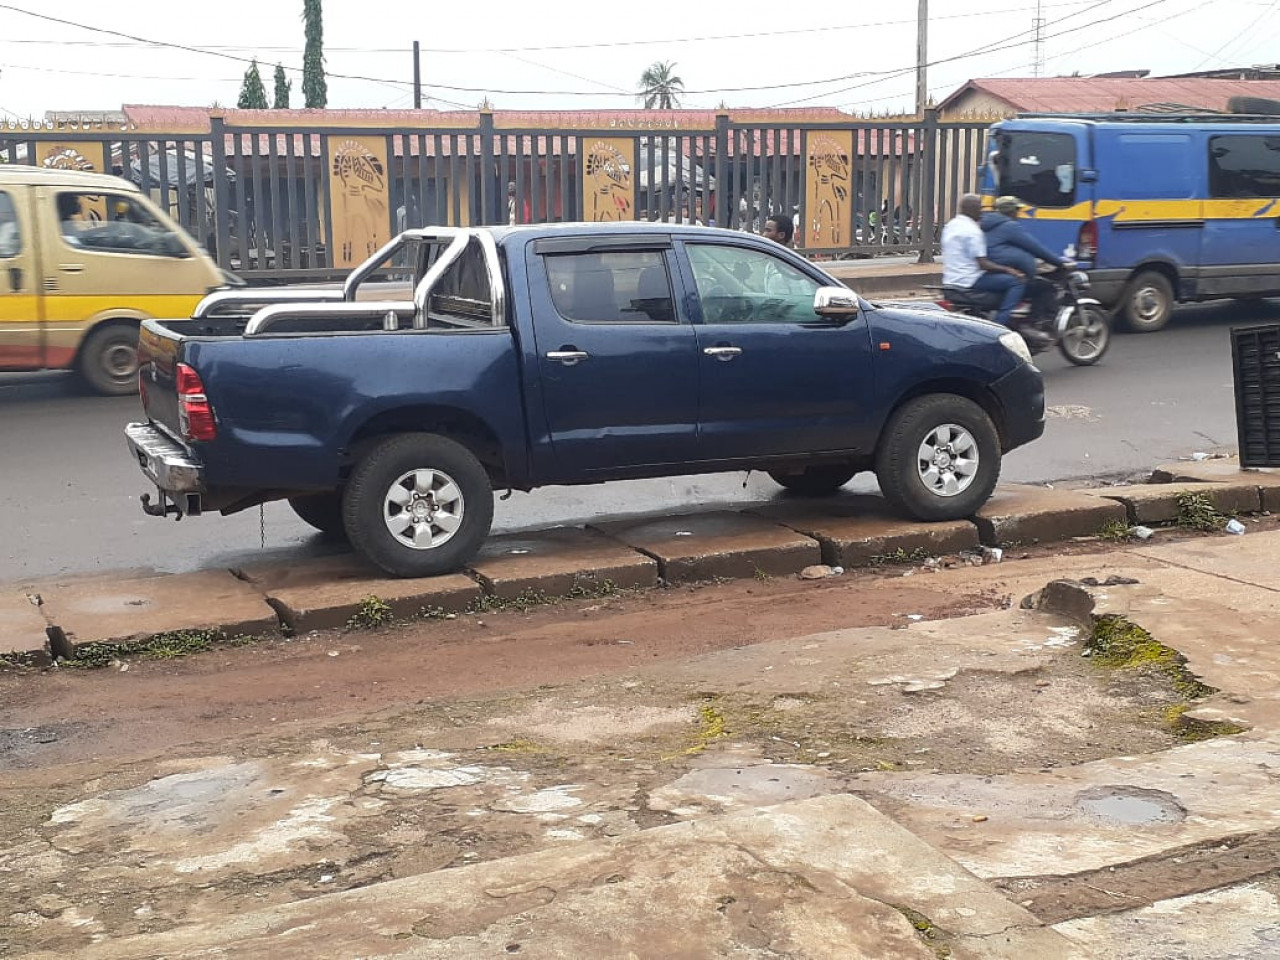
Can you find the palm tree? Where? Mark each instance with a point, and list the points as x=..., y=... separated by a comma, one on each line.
x=659, y=87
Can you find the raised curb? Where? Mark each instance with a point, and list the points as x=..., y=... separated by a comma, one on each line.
x=858, y=531
x=23, y=629
x=327, y=592
x=1158, y=502
x=560, y=562
x=724, y=544
x=83, y=612
x=1224, y=470
x=1025, y=514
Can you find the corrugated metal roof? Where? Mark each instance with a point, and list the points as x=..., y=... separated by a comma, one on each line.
x=1106, y=94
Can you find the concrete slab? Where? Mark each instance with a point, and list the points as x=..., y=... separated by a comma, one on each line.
x=1223, y=470
x=325, y=592
x=559, y=562
x=1158, y=502
x=820, y=878
x=860, y=530
x=22, y=628
x=119, y=611
x=1025, y=514
x=723, y=544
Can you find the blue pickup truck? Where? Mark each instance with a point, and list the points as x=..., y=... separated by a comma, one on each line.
x=566, y=354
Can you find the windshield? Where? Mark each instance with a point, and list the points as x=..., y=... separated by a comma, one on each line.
x=1037, y=168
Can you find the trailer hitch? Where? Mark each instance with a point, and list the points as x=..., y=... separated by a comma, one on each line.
x=161, y=509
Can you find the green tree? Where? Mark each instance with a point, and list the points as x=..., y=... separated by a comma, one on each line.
x=659, y=87
x=314, y=90
x=283, y=86
x=253, y=95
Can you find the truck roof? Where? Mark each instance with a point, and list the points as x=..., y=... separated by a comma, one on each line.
x=54, y=177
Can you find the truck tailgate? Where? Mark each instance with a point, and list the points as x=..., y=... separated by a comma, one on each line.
x=157, y=385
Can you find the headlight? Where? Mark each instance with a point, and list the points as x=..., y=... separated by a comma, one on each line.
x=1016, y=345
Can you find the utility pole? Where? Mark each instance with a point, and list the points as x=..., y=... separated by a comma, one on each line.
x=922, y=57
x=417, y=78
x=1037, y=26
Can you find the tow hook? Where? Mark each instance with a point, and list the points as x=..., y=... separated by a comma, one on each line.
x=161, y=509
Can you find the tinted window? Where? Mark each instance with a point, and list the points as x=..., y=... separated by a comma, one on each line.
x=462, y=293
x=10, y=231
x=630, y=286
x=1038, y=168
x=1244, y=166
x=738, y=285
x=115, y=223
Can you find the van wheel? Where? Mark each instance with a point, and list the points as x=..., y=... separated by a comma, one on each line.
x=818, y=481
x=939, y=458
x=1147, y=304
x=109, y=359
x=418, y=505
x=322, y=511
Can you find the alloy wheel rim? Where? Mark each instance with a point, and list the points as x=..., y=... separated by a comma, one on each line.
x=423, y=509
x=947, y=460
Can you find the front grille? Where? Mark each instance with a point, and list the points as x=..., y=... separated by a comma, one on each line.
x=1255, y=353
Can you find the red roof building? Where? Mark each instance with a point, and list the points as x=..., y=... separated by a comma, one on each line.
x=1002, y=97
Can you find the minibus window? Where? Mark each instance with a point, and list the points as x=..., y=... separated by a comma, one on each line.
x=1244, y=166
x=1038, y=168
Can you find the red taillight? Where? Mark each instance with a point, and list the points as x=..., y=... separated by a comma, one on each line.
x=944, y=304
x=195, y=414
x=1087, y=247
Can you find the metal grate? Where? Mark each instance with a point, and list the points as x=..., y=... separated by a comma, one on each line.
x=1255, y=353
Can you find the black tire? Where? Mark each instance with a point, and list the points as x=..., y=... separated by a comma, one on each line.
x=898, y=467
x=1257, y=106
x=322, y=511
x=109, y=359
x=817, y=481
x=371, y=493
x=1147, y=303
x=1087, y=336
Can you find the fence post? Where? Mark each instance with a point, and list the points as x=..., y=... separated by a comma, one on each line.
x=722, y=172
x=929, y=182
x=487, y=212
x=221, y=196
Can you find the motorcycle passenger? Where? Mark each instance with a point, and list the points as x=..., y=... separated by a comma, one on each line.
x=1010, y=244
x=966, y=265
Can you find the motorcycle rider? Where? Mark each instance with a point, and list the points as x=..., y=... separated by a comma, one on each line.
x=1010, y=244
x=966, y=265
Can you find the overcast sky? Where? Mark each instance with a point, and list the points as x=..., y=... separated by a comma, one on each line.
x=856, y=56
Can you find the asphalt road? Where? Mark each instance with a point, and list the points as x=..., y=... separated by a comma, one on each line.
x=69, y=492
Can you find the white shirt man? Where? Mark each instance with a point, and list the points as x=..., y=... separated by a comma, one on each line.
x=963, y=245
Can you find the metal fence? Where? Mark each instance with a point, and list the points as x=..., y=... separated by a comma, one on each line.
x=280, y=204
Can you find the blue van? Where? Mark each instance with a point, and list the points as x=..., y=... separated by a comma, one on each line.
x=1159, y=209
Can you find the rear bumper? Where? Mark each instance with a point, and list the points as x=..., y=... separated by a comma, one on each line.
x=163, y=460
x=1021, y=397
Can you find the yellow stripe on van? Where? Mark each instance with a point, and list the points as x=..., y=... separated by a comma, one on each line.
x=1125, y=211
x=69, y=308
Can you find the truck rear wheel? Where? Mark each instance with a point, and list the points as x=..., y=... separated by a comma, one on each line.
x=418, y=505
x=109, y=359
x=816, y=481
x=1148, y=301
x=939, y=458
x=322, y=511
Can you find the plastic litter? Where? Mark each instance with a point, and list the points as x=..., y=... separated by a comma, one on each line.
x=1199, y=455
x=992, y=554
x=1234, y=526
x=1142, y=533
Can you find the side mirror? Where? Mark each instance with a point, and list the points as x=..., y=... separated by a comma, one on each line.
x=835, y=302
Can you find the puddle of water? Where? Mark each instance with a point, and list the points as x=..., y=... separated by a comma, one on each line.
x=1131, y=806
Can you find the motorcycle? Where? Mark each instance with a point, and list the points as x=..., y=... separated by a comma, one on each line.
x=1077, y=325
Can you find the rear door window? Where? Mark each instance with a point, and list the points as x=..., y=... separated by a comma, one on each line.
x=1245, y=165
x=1038, y=168
x=622, y=286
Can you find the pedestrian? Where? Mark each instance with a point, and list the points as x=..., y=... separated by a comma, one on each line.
x=965, y=265
x=780, y=229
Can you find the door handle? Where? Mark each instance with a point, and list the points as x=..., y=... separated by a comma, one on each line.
x=568, y=356
x=71, y=267
x=15, y=279
x=723, y=354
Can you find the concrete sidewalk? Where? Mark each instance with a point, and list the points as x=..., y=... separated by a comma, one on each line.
x=883, y=277
x=41, y=620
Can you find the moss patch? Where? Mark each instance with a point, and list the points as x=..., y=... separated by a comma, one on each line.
x=373, y=612
x=1194, y=730
x=1119, y=643
x=927, y=931
x=163, y=646
x=711, y=726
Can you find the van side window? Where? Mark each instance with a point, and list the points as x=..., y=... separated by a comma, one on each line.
x=10, y=231
x=1244, y=165
x=618, y=286
x=115, y=223
x=1038, y=168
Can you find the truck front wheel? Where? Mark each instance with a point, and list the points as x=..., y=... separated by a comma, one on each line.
x=418, y=505
x=939, y=458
